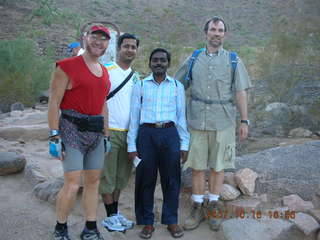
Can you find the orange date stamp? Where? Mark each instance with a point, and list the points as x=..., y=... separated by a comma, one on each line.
x=256, y=214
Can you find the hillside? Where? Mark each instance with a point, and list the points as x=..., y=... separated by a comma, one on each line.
x=278, y=40
x=157, y=22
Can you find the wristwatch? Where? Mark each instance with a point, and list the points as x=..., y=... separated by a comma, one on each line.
x=246, y=122
x=53, y=133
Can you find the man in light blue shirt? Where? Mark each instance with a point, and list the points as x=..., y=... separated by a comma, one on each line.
x=158, y=135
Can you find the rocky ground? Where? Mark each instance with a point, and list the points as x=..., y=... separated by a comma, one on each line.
x=27, y=210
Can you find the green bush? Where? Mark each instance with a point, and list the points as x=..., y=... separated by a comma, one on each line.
x=23, y=74
x=288, y=58
x=47, y=11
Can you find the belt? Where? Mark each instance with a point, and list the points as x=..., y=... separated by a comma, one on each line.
x=159, y=125
x=208, y=101
x=73, y=119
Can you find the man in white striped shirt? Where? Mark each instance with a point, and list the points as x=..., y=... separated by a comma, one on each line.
x=158, y=135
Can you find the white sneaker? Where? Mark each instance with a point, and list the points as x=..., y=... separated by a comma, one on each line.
x=112, y=223
x=127, y=224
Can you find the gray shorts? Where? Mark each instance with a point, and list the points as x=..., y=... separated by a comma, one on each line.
x=74, y=160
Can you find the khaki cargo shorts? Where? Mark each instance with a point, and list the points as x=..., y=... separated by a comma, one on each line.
x=117, y=169
x=211, y=149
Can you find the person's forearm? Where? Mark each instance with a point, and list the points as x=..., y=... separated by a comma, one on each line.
x=242, y=104
x=181, y=121
x=53, y=114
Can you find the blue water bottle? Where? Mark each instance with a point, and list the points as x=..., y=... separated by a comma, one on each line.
x=55, y=147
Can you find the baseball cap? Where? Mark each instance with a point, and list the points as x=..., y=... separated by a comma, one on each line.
x=99, y=28
x=72, y=46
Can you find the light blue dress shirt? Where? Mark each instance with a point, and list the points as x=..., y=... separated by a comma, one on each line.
x=152, y=102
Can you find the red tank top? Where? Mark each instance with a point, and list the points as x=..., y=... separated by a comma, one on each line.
x=88, y=92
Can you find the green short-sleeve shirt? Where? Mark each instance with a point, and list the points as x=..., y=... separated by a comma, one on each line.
x=212, y=81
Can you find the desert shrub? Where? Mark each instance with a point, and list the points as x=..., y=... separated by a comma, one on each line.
x=23, y=74
x=47, y=11
x=288, y=58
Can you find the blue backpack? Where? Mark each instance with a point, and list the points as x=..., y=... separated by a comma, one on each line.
x=195, y=54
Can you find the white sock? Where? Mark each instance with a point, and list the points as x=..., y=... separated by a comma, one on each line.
x=197, y=198
x=213, y=197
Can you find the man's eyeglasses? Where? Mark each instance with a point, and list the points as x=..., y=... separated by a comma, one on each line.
x=96, y=38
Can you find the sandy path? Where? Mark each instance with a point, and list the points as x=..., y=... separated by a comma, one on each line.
x=24, y=217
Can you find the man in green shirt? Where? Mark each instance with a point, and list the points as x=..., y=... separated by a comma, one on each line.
x=211, y=118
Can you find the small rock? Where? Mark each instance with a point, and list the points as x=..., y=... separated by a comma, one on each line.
x=11, y=162
x=229, y=179
x=294, y=202
x=18, y=106
x=229, y=192
x=245, y=179
x=305, y=223
x=44, y=97
x=275, y=106
x=300, y=132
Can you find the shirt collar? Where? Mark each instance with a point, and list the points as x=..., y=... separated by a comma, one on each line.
x=218, y=53
x=150, y=78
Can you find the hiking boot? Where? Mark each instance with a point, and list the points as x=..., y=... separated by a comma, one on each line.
x=61, y=234
x=195, y=218
x=90, y=234
x=112, y=224
x=127, y=224
x=215, y=215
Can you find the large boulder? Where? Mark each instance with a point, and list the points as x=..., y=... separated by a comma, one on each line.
x=48, y=190
x=11, y=162
x=263, y=229
x=25, y=133
x=285, y=170
x=306, y=223
x=18, y=106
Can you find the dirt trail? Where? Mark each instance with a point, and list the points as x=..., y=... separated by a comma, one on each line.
x=24, y=217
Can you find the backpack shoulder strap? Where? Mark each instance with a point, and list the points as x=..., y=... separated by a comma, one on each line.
x=111, y=94
x=141, y=92
x=192, y=59
x=234, y=62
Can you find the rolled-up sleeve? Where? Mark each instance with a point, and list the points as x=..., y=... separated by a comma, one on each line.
x=181, y=119
x=135, y=109
x=242, y=79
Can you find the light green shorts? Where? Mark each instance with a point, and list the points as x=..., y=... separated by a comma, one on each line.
x=117, y=169
x=211, y=149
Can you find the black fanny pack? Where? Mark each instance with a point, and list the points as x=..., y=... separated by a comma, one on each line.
x=90, y=124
